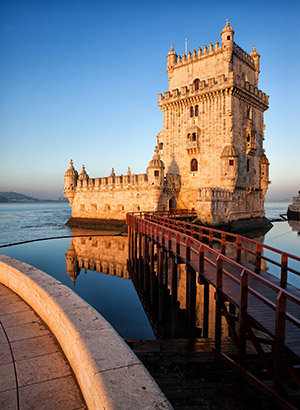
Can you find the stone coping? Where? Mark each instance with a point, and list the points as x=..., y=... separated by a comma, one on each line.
x=109, y=374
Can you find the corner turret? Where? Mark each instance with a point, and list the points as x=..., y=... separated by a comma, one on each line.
x=70, y=182
x=155, y=170
x=171, y=59
x=227, y=41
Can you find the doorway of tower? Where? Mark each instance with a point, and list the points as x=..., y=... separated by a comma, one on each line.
x=172, y=204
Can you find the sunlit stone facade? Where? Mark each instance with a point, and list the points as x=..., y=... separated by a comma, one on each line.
x=209, y=154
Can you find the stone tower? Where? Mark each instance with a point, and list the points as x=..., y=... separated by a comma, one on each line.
x=209, y=154
x=213, y=131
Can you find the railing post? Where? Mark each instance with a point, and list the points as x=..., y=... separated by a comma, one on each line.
x=243, y=318
x=188, y=249
x=163, y=236
x=284, y=264
x=178, y=244
x=170, y=240
x=210, y=239
x=258, y=257
x=174, y=278
x=160, y=255
x=279, y=340
x=200, y=234
x=192, y=231
x=238, y=248
x=223, y=243
x=201, y=259
x=218, y=320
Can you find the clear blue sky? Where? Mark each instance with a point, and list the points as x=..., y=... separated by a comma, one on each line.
x=79, y=79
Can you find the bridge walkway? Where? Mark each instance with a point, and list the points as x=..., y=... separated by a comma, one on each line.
x=263, y=302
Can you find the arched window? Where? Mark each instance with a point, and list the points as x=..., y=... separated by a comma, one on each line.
x=196, y=111
x=192, y=111
x=197, y=84
x=194, y=165
x=161, y=145
x=194, y=137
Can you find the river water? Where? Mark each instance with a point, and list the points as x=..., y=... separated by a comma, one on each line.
x=95, y=267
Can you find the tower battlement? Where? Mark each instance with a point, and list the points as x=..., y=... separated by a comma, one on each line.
x=212, y=85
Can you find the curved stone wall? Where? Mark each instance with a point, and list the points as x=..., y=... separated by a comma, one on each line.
x=108, y=372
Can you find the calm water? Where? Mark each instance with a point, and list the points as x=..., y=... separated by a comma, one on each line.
x=97, y=265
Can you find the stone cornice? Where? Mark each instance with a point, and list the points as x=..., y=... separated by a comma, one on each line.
x=214, y=88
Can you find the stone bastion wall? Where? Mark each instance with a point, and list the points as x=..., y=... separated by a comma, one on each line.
x=109, y=374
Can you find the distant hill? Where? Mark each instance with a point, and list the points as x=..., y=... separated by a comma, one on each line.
x=15, y=197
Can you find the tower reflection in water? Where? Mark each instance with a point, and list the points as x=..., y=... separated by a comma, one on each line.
x=173, y=309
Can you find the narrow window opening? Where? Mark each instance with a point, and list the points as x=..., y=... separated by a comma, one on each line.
x=248, y=165
x=194, y=165
x=156, y=173
x=194, y=137
x=231, y=162
x=228, y=37
x=196, y=111
x=197, y=84
x=192, y=111
x=161, y=145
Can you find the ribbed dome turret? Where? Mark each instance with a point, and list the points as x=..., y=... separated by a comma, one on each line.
x=155, y=170
x=229, y=151
x=71, y=171
x=83, y=174
x=156, y=162
x=227, y=29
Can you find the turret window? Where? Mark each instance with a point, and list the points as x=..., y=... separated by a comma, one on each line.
x=194, y=165
x=228, y=37
x=191, y=111
x=196, y=111
x=161, y=146
x=194, y=137
x=231, y=162
x=156, y=173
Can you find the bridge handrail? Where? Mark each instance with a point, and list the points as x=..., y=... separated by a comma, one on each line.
x=285, y=256
x=279, y=290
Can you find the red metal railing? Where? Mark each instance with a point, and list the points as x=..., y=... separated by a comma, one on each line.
x=237, y=243
x=186, y=242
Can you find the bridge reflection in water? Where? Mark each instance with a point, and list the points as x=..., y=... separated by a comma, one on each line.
x=175, y=306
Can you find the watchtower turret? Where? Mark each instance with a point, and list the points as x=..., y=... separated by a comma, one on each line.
x=171, y=59
x=227, y=41
x=70, y=182
x=155, y=170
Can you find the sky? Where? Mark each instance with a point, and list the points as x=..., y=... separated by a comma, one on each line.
x=79, y=79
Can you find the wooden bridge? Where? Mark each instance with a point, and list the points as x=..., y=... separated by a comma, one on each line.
x=258, y=306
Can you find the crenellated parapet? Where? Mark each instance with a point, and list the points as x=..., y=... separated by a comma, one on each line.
x=209, y=194
x=232, y=83
x=243, y=55
x=131, y=181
